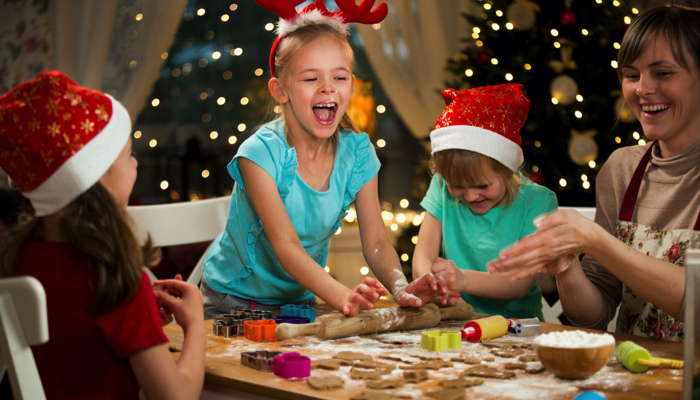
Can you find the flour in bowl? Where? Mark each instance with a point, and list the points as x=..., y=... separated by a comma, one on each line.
x=574, y=339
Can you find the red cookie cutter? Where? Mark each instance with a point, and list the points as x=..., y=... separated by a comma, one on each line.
x=292, y=365
x=260, y=330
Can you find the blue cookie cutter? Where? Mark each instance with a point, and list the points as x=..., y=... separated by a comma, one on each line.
x=301, y=310
x=285, y=319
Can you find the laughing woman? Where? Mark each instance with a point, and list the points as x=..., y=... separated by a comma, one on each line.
x=648, y=197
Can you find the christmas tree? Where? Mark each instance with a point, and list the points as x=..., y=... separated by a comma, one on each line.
x=564, y=53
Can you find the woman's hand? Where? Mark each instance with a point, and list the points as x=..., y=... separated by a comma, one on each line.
x=363, y=296
x=181, y=299
x=560, y=237
x=422, y=290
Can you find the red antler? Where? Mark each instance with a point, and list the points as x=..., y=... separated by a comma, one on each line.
x=285, y=9
x=363, y=13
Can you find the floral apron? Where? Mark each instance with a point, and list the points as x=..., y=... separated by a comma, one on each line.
x=637, y=316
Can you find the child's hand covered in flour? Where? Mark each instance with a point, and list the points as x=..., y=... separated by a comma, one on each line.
x=422, y=290
x=363, y=296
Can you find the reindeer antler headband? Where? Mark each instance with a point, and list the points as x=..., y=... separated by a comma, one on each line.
x=317, y=12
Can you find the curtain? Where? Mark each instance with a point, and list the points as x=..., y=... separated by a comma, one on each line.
x=409, y=54
x=116, y=46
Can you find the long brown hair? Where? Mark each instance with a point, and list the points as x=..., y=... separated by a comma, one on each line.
x=97, y=226
x=290, y=45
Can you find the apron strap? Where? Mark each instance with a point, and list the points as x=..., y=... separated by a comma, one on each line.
x=630, y=199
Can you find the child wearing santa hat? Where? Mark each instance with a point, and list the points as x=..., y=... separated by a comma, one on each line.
x=478, y=202
x=68, y=150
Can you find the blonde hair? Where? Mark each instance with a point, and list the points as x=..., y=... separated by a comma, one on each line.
x=290, y=45
x=466, y=168
x=681, y=27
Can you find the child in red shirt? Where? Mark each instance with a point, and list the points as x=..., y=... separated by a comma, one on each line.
x=68, y=149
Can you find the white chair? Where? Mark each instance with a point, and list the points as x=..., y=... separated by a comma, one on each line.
x=182, y=223
x=23, y=323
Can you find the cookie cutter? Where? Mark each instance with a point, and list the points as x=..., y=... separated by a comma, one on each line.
x=251, y=315
x=228, y=326
x=299, y=310
x=440, y=340
x=292, y=365
x=286, y=319
x=260, y=330
x=262, y=360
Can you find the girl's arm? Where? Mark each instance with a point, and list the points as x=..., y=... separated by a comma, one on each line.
x=381, y=255
x=290, y=252
x=157, y=374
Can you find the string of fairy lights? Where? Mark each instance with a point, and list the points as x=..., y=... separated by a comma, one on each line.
x=560, y=97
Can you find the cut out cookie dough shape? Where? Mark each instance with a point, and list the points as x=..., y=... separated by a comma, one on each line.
x=415, y=376
x=434, y=364
x=400, y=357
x=504, y=344
x=386, y=384
x=461, y=383
x=329, y=364
x=534, y=369
x=374, y=365
x=369, y=395
x=486, y=372
x=528, y=358
x=352, y=356
x=512, y=366
x=472, y=358
x=447, y=394
x=368, y=375
x=507, y=353
x=327, y=383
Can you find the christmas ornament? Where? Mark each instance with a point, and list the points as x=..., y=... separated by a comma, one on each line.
x=564, y=89
x=582, y=147
x=566, y=53
x=567, y=17
x=624, y=111
x=537, y=177
x=521, y=14
x=483, y=58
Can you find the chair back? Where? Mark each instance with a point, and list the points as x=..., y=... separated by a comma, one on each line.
x=182, y=223
x=23, y=323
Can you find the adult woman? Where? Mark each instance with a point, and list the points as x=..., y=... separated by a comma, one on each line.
x=648, y=197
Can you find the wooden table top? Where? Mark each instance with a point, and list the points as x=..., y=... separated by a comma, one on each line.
x=223, y=367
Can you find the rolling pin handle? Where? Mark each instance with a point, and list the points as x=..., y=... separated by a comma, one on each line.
x=468, y=332
x=287, y=331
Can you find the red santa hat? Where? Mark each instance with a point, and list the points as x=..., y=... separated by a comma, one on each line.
x=486, y=120
x=57, y=139
x=317, y=13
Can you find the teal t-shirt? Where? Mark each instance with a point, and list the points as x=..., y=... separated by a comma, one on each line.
x=471, y=240
x=241, y=260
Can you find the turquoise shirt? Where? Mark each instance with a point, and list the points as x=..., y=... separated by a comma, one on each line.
x=241, y=260
x=471, y=240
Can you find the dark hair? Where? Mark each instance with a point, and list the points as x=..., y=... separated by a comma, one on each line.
x=465, y=167
x=98, y=227
x=679, y=24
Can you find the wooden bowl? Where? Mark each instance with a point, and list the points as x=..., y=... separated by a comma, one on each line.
x=574, y=363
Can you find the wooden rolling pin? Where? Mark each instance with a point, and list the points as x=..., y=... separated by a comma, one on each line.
x=337, y=325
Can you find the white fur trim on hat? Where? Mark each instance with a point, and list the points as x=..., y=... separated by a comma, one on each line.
x=311, y=17
x=85, y=167
x=479, y=140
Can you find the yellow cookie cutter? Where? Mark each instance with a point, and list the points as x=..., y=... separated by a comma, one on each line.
x=440, y=340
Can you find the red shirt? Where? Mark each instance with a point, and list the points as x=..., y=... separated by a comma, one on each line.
x=86, y=355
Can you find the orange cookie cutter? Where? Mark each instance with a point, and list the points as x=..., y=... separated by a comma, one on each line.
x=260, y=330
